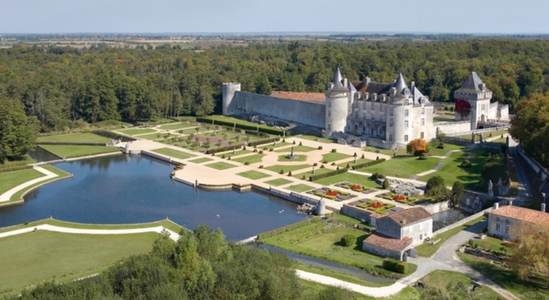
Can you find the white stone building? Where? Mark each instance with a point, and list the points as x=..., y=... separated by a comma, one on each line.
x=501, y=220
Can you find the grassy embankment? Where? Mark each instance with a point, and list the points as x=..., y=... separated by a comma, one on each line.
x=72, y=151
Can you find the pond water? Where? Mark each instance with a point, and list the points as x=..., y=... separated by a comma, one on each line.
x=121, y=189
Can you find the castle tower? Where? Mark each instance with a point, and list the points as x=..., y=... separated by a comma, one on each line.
x=336, y=105
x=401, y=101
x=229, y=89
x=473, y=101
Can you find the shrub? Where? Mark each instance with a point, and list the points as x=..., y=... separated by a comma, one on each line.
x=377, y=157
x=222, y=156
x=465, y=164
x=337, y=168
x=386, y=183
x=271, y=150
x=290, y=173
x=246, y=163
x=376, y=176
x=325, y=162
x=315, y=164
x=333, y=163
x=395, y=266
x=348, y=166
x=281, y=171
x=260, y=151
x=300, y=144
x=322, y=166
x=362, y=156
x=319, y=147
x=334, y=150
x=348, y=240
x=244, y=147
x=423, y=156
x=261, y=166
x=293, y=143
x=229, y=158
x=327, y=174
x=303, y=177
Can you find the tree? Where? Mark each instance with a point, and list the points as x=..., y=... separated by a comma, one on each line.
x=17, y=131
x=436, y=188
x=457, y=192
x=530, y=250
x=335, y=293
x=417, y=147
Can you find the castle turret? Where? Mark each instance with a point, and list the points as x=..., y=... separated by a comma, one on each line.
x=228, y=92
x=336, y=104
x=473, y=101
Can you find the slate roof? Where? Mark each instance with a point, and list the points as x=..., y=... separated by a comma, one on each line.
x=300, y=96
x=381, y=241
x=522, y=214
x=471, y=84
x=409, y=216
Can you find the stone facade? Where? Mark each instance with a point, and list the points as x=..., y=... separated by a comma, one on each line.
x=501, y=220
x=413, y=223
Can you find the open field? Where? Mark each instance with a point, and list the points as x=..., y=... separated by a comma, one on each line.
x=403, y=166
x=299, y=188
x=62, y=174
x=134, y=131
x=200, y=160
x=330, y=157
x=9, y=180
x=70, y=151
x=176, y=126
x=249, y=158
x=173, y=153
x=74, y=137
x=34, y=257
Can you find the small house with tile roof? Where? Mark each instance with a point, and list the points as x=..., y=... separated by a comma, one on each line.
x=399, y=232
x=502, y=219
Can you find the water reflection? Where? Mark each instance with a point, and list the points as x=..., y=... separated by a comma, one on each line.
x=114, y=191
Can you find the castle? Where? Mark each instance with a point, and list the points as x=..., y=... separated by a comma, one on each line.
x=386, y=115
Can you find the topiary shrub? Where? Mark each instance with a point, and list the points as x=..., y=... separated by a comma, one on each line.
x=362, y=156
x=386, y=183
x=300, y=144
x=290, y=173
x=396, y=266
x=229, y=158
x=465, y=164
x=422, y=156
x=334, y=150
x=322, y=166
x=223, y=156
x=303, y=177
x=315, y=164
x=377, y=157
x=261, y=166
x=246, y=163
x=348, y=166
x=348, y=240
x=260, y=151
x=325, y=162
x=293, y=143
x=281, y=171
x=319, y=147
x=333, y=163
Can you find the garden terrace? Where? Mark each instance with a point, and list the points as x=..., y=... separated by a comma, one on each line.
x=355, y=187
x=376, y=206
x=332, y=194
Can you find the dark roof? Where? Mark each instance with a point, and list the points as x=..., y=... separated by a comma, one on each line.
x=337, y=77
x=381, y=241
x=373, y=87
x=400, y=83
x=471, y=84
x=409, y=216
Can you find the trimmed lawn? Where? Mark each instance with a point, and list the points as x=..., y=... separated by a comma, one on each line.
x=249, y=159
x=351, y=162
x=74, y=137
x=299, y=188
x=404, y=167
x=300, y=157
x=451, y=171
x=330, y=157
x=400, y=152
x=9, y=180
x=441, y=279
x=350, y=177
x=447, y=147
x=69, y=151
x=427, y=250
x=236, y=153
x=34, y=257
x=173, y=153
x=339, y=275
x=134, y=131
x=26, y=160
x=309, y=173
x=253, y=175
x=534, y=288
x=286, y=168
x=193, y=130
x=62, y=174
x=200, y=160
x=220, y=165
x=176, y=126
x=493, y=244
x=278, y=182
x=316, y=139
x=152, y=136
x=296, y=149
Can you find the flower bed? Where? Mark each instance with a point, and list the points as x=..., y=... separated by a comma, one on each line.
x=356, y=187
x=332, y=193
x=399, y=198
x=376, y=205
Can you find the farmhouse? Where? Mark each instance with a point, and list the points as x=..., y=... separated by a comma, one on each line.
x=399, y=232
x=501, y=220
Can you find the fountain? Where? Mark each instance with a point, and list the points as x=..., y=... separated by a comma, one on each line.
x=292, y=155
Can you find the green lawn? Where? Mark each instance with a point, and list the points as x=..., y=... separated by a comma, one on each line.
x=493, y=244
x=451, y=171
x=236, y=153
x=316, y=139
x=427, y=250
x=9, y=180
x=300, y=157
x=278, y=182
x=403, y=166
x=250, y=158
x=286, y=168
x=176, y=126
x=309, y=173
x=533, y=288
x=220, y=165
x=70, y=151
x=34, y=257
x=349, y=177
x=373, y=149
x=440, y=279
x=135, y=131
x=447, y=147
x=330, y=157
x=339, y=275
x=173, y=153
x=25, y=160
x=296, y=149
x=253, y=175
x=351, y=163
x=299, y=188
x=151, y=137
x=74, y=137
x=62, y=174
x=200, y=160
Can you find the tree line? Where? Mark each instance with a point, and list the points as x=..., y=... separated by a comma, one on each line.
x=61, y=85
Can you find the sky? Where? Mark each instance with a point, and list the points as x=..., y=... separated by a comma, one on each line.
x=271, y=16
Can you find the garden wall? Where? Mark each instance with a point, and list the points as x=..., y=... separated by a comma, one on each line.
x=359, y=214
x=463, y=221
x=436, y=207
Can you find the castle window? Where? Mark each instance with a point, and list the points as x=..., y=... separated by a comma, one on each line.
x=390, y=137
x=329, y=127
x=406, y=113
x=356, y=127
x=406, y=138
x=423, y=110
x=422, y=122
x=507, y=229
x=422, y=135
x=391, y=112
x=372, y=106
x=380, y=107
x=329, y=104
x=498, y=228
x=363, y=128
x=406, y=124
x=391, y=123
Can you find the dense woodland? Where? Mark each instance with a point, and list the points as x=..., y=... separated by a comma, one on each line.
x=62, y=85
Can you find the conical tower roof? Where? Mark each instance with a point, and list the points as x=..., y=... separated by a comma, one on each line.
x=337, y=77
x=400, y=84
x=472, y=83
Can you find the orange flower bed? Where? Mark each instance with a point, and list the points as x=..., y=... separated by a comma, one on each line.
x=331, y=193
x=356, y=187
x=376, y=205
x=399, y=198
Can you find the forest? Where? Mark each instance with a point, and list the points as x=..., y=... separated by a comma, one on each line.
x=62, y=86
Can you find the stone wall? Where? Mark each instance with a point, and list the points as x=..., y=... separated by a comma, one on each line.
x=381, y=251
x=450, y=128
x=359, y=214
x=436, y=207
x=308, y=113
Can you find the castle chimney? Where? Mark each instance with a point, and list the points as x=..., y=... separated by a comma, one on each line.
x=366, y=80
x=496, y=205
x=345, y=82
x=543, y=207
x=510, y=202
x=412, y=85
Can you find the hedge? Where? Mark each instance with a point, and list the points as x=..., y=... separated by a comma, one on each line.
x=396, y=266
x=73, y=143
x=265, y=141
x=225, y=148
x=243, y=126
x=368, y=164
x=113, y=136
x=287, y=228
x=13, y=164
x=328, y=174
x=14, y=168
